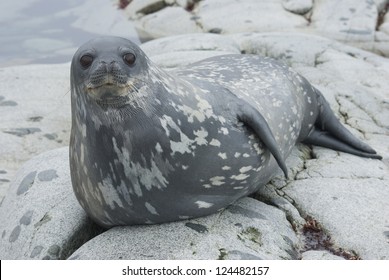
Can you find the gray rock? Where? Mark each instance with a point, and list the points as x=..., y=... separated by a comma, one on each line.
x=168, y=21
x=232, y=16
x=176, y=59
x=297, y=6
x=138, y=8
x=320, y=255
x=40, y=217
x=336, y=19
x=34, y=114
x=352, y=21
x=248, y=229
x=184, y=49
x=354, y=212
x=191, y=42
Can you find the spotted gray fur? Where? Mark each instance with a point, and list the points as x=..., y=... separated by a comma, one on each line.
x=152, y=146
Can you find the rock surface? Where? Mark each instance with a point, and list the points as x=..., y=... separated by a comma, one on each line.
x=320, y=255
x=333, y=205
x=344, y=20
x=297, y=6
x=357, y=22
x=34, y=114
x=40, y=217
x=248, y=229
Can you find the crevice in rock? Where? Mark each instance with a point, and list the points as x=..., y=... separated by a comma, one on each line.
x=191, y=5
x=345, y=116
x=123, y=4
x=316, y=238
x=317, y=61
x=381, y=15
x=222, y=254
x=371, y=116
x=80, y=236
x=88, y=231
x=197, y=21
x=308, y=17
x=310, y=155
x=312, y=235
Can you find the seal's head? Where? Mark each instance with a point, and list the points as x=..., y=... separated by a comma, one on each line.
x=107, y=69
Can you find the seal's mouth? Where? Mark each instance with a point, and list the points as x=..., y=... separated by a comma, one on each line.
x=91, y=86
x=109, y=94
x=114, y=101
x=113, y=94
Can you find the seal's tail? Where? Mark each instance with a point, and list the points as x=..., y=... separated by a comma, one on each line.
x=330, y=133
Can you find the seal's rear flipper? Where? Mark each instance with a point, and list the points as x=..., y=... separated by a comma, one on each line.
x=330, y=133
x=325, y=139
x=253, y=119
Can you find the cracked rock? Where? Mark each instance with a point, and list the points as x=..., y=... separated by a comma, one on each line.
x=352, y=211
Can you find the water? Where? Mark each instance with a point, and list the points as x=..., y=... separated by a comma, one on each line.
x=48, y=31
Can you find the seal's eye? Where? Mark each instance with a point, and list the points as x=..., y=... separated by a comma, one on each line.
x=129, y=58
x=86, y=60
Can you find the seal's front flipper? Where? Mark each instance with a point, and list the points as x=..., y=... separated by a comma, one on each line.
x=325, y=139
x=253, y=119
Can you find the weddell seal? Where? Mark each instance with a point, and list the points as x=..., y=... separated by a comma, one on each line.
x=151, y=146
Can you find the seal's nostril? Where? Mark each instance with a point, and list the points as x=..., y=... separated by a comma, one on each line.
x=111, y=66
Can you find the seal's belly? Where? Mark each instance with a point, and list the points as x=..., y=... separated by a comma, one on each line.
x=190, y=173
